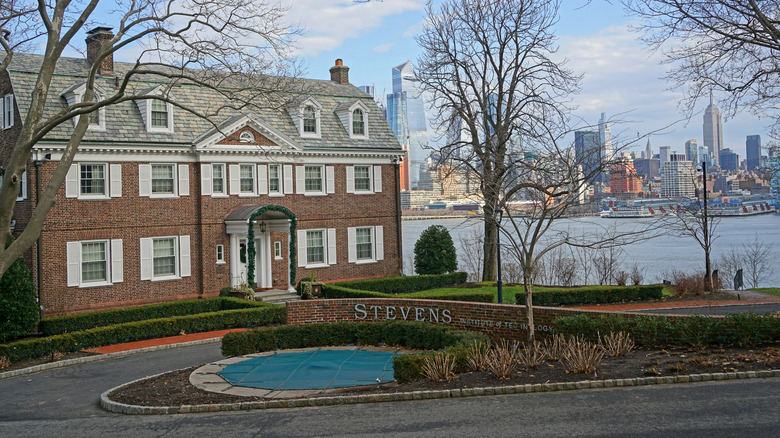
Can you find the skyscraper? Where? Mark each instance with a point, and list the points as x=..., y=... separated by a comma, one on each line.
x=692, y=151
x=713, y=130
x=753, y=146
x=678, y=179
x=728, y=160
x=587, y=152
x=605, y=138
x=406, y=116
x=648, y=149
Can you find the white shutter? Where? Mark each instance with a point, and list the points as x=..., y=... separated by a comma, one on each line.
x=146, y=259
x=331, y=246
x=300, y=179
x=184, y=256
x=288, y=179
x=352, y=244
x=117, y=263
x=184, y=180
x=2, y=111
x=144, y=180
x=262, y=179
x=301, y=248
x=379, y=236
x=9, y=109
x=330, y=177
x=377, y=179
x=115, y=174
x=205, y=179
x=72, y=182
x=235, y=181
x=74, y=263
x=350, y=179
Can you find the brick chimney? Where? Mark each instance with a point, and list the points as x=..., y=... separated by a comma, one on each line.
x=96, y=39
x=339, y=72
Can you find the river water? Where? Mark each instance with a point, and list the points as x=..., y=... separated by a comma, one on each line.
x=658, y=257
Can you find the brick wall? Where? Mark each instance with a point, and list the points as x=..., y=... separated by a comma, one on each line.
x=495, y=320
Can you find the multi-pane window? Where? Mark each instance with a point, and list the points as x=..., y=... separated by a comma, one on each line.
x=247, y=178
x=274, y=179
x=164, y=257
x=220, y=253
x=358, y=123
x=363, y=243
x=362, y=178
x=93, y=262
x=218, y=178
x=315, y=247
x=309, y=120
x=313, y=175
x=93, y=179
x=159, y=114
x=162, y=178
x=277, y=250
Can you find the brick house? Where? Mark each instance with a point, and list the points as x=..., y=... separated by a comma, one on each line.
x=157, y=203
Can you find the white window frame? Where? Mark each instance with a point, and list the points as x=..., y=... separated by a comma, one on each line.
x=174, y=186
x=112, y=174
x=279, y=176
x=169, y=109
x=220, y=254
x=106, y=182
x=317, y=119
x=8, y=111
x=22, y=187
x=352, y=133
x=113, y=262
x=253, y=192
x=377, y=245
x=277, y=250
x=182, y=258
x=322, y=179
x=375, y=178
x=224, y=192
x=328, y=243
x=327, y=178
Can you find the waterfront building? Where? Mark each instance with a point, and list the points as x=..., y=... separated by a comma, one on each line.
x=625, y=183
x=678, y=179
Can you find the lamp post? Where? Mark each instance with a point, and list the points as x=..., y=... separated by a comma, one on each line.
x=707, y=273
x=498, y=257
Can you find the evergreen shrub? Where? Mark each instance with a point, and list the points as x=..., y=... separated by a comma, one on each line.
x=593, y=295
x=19, y=310
x=434, y=252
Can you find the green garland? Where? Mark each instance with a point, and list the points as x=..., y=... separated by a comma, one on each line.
x=250, y=280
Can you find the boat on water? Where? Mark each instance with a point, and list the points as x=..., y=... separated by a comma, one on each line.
x=626, y=213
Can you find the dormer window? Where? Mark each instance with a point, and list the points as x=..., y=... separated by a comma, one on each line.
x=159, y=114
x=309, y=120
x=74, y=96
x=358, y=123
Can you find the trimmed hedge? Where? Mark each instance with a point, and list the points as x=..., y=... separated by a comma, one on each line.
x=73, y=323
x=334, y=291
x=263, y=314
x=411, y=283
x=593, y=295
x=412, y=335
x=743, y=329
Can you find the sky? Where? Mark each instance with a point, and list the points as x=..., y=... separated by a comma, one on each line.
x=620, y=76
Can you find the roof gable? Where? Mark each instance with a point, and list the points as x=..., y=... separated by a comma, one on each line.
x=236, y=131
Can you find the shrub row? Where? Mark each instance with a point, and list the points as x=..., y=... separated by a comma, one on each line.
x=411, y=283
x=333, y=290
x=263, y=314
x=407, y=334
x=593, y=295
x=74, y=323
x=743, y=329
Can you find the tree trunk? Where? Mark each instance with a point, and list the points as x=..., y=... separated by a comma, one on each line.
x=529, y=309
x=490, y=243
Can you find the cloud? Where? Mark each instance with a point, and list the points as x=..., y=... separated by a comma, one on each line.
x=384, y=47
x=328, y=23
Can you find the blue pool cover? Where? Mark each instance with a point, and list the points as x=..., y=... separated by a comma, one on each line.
x=317, y=369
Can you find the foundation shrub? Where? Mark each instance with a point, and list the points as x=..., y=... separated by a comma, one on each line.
x=18, y=302
x=264, y=314
x=335, y=291
x=417, y=336
x=594, y=295
x=689, y=331
x=84, y=321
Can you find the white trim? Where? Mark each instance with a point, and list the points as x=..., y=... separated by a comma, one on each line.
x=278, y=250
x=262, y=179
x=377, y=244
x=145, y=105
x=253, y=193
x=331, y=242
x=182, y=258
x=22, y=187
x=302, y=253
x=220, y=254
x=376, y=183
x=145, y=256
x=144, y=180
x=350, y=179
x=8, y=111
x=330, y=179
x=72, y=188
x=184, y=180
x=206, y=171
x=117, y=263
x=115, y=180
x=288, y=179
x=326, y=183
x=235, y=179
x=175, y=182
x=185, y=268
x=279, y=176
x=73, y=263
x=114, y=265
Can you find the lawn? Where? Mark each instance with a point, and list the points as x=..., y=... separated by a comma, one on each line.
x=768, y=290
x=508, y=291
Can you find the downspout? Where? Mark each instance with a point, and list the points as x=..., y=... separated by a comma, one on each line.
x=399, y=243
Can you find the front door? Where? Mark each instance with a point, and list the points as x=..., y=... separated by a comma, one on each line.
x=263, y=277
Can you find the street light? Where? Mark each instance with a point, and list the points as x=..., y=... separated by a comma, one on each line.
x=498, y=242
x=707, y=274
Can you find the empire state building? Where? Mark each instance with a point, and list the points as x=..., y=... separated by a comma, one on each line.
x=713, y=131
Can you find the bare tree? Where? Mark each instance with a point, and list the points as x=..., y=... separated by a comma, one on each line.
x=721, y=45
x=758, y=258
x=606, y=263
x=471, y=247
x=236, y=48
x=489, y=69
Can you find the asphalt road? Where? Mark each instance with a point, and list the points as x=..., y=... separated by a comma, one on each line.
x=63, y=402
x=718, y=310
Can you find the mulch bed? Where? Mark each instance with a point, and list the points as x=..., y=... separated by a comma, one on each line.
x=172, y=389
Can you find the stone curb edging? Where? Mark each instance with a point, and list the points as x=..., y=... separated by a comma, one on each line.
x=121, y=408
x=87, y=359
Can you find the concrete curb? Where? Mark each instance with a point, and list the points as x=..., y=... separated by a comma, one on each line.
x=120, y=408
x=87, y=359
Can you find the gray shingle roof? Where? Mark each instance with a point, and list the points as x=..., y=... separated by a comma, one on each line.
x=124, y=123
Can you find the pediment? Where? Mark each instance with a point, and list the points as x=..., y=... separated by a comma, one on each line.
x=245, y=132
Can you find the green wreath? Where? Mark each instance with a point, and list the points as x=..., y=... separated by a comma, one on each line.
x=250, y=278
